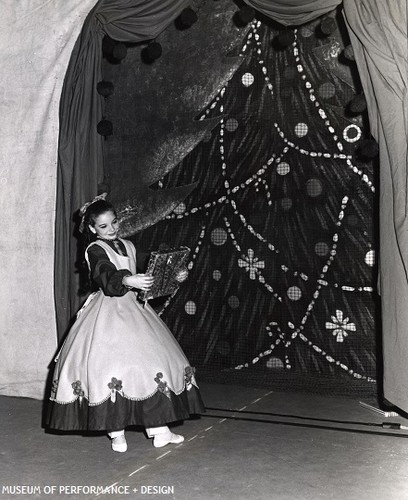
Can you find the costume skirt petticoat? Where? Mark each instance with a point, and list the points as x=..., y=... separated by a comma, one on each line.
x=119, y=366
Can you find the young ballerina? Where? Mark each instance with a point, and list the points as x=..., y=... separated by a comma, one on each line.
x=119, y=365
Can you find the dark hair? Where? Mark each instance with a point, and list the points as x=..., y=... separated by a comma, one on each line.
x=93, y=211
x=91, y=214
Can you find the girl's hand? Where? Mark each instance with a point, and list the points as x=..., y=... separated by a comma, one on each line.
x=182, y=275
x=141, y=281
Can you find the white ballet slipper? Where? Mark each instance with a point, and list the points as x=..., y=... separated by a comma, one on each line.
x=161, y=440
x=118, y=442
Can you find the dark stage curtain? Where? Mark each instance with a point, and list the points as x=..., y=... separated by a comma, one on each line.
x=293, y=12
x=378, y=32
x=80, y=158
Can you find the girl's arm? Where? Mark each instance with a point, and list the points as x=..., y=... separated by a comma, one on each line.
x=139, y=281
x=105, y=274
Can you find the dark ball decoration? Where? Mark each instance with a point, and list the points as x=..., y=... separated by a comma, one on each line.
x=348, y=53
x=367, y=150
x=244, y=16
x=104, y=127
x=186, y=19
x=107, y=45
x=328, y=26
x=112, y=49
x=152, y=52
x=119, y=51
x=105, y=89
x=285, y=38
x=358, y=104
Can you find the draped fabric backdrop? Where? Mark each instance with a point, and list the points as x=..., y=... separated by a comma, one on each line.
x=33, y=66
x=378, y=31
x=80, y=161
x=36, y=40
x=293, y=12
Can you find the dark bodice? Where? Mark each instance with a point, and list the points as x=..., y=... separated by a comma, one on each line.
x=104, y=273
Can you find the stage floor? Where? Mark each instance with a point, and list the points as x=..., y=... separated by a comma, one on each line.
x=252, y=443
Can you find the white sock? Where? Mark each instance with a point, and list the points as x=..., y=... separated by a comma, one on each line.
x=115, y=434
x=155, y=431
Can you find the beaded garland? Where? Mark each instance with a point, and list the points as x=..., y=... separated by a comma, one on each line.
x=247, y=262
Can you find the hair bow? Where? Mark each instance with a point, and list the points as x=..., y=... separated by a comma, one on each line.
x=84, y=208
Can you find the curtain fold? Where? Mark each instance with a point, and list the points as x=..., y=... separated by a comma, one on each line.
x=378, y=32
x=293, y=12
x=80, y=158
x=136, y=21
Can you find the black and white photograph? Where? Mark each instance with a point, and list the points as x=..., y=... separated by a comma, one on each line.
x=204, y=241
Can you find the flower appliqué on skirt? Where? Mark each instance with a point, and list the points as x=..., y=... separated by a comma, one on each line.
x=54, y=388
x=78, y=391
x=162, y=386
x=188, y=377
x=115, y=386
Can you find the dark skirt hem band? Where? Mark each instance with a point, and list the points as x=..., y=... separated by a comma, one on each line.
x=111, y=416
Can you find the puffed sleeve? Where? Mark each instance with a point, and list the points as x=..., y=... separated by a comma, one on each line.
x=105, y=274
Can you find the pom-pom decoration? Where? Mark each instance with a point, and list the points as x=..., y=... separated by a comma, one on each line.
x=244, y=16
x=112, y=49
x=285, y=38
x=152, y=52
x=107, y=45
x=348, y=53
x=186, y=19
x=358, y=104
x=105, y=89
x=119, y=51
x=367, y=150
x=105, y=128
x=328, y=26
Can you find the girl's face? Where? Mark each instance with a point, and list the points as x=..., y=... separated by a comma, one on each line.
x=106, y=226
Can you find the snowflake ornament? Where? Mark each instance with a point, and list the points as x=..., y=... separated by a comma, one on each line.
x=340, y=326
x=251, y=264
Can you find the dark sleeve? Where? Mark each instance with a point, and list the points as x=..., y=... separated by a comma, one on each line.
x=105, y=274
x=142, y=259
